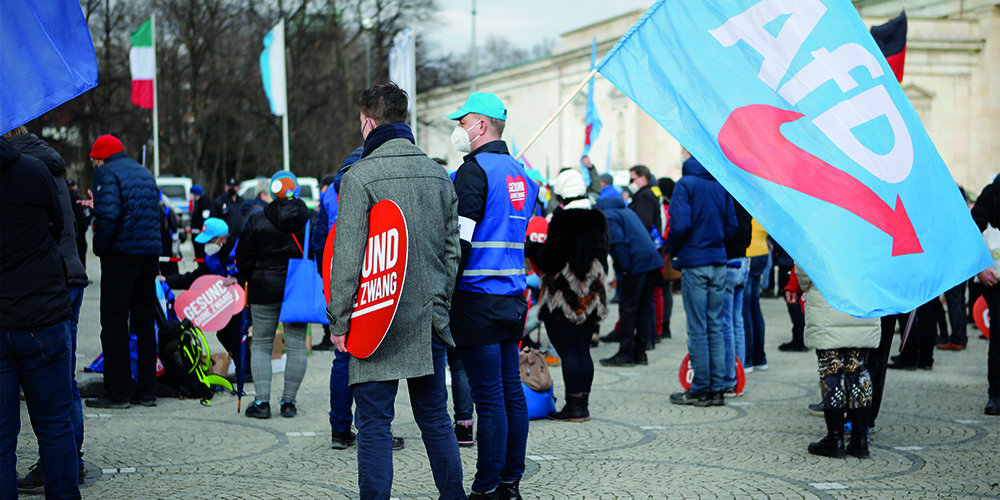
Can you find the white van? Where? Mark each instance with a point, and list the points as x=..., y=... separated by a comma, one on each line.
x=178, y=191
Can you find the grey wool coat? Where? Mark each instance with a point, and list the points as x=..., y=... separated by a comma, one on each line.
x=401, y=172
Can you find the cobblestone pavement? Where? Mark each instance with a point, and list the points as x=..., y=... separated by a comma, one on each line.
x=933, y=440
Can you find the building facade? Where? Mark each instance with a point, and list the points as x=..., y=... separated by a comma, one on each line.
x=952, y=77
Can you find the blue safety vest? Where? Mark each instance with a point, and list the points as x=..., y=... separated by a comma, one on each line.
x=496, y=261
x=215, y=265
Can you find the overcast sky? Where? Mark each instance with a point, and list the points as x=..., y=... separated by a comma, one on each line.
x=523, y=22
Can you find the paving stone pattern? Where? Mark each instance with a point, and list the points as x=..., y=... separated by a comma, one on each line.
x=933, y=440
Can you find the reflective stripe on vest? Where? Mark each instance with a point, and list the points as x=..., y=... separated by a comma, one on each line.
x=496, y=260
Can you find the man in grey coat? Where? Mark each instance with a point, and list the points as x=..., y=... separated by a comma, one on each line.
x=393, y=168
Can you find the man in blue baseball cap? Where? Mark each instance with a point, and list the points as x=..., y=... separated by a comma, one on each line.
x=220, y=260
x=496, y=197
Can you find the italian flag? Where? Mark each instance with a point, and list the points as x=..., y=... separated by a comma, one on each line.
x=142, y=60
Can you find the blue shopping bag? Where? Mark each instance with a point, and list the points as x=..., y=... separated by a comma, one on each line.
x=304, y=301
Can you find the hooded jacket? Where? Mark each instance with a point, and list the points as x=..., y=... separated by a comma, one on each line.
x=265, y=246
x=31, y=145
x=126, y=209
x=631, y=247
x=33, y=293
x=702, y=218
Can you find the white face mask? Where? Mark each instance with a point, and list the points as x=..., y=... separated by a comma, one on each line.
x=460, y=138
x=633, y=187
x=212, y=248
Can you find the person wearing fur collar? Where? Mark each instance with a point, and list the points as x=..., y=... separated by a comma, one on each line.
x=573, y=264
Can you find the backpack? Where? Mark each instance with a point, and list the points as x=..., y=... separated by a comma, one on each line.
x=187, y=361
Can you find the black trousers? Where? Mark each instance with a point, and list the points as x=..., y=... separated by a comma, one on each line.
x=128, y=299
x=956, y=314
x=635, y=308
x=572, y=342
x=919, y=348
x=878, y=359
x=992, y=295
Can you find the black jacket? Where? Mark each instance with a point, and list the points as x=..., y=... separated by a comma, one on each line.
x=574, y=258
x=229, y=210
x=31, y=145
x=631, y=247
x=987, y=207
x=266, y=244
x=646, y=205
x=202, y=210
x=33, y=293
x=736, y=246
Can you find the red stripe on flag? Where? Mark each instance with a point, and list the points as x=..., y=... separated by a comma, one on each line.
x=142, y=93
x=586, y=141
x=896, y=62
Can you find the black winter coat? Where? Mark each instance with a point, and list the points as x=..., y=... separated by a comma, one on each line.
x=574, y=257
x=647, y=206
x=630, y=245
x=126, y=209
x=736, y=246
x=31, y=145
x=229, y=210
x=33, y=293
x=265, y=246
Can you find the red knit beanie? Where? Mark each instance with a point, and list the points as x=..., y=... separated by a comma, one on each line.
x=105, y=146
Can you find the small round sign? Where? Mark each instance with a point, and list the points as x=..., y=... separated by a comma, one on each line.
x=686, y=374
x=981, y=313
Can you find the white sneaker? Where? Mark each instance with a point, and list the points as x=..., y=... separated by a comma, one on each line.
x=762, y=368
x=747, y=370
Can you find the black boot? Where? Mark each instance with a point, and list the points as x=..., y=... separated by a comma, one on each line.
x=509, y=491
x=575, y=409
x=833, y=444
x=858, y=446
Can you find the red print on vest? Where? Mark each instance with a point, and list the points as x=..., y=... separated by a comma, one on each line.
x=518, y=191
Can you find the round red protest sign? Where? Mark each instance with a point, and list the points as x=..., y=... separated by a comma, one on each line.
x=383, y=271
x=981, y=313
x=328, y=261
x=686, y=374
x=208, y=304
x=538, y=230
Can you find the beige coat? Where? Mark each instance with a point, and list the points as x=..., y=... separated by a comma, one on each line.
x=828, y=328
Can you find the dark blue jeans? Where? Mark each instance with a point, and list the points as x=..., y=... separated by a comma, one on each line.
x=461, y=395
x=753, y=320
x=502, y=410
x=429, y=401
x=39, y=362
x=341, y=395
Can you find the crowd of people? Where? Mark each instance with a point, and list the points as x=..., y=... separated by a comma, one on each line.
x=464, y=307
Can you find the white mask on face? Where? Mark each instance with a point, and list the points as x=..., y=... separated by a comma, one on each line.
x=460, y=138
x=634, y=187
x=212, y=248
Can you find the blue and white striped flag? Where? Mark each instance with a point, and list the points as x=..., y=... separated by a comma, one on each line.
x=403, y=64
x=272, y=69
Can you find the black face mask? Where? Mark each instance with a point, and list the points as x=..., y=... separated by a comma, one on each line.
x=232, y=192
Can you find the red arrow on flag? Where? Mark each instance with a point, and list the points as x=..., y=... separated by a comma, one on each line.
x=751, y=139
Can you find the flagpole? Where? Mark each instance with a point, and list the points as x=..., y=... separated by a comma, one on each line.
x=552, y=118
x=413, y=72
x=156, y=110
x=284, y=117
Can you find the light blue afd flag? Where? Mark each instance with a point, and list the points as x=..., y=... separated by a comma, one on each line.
x=46, y=58
x=790, y=104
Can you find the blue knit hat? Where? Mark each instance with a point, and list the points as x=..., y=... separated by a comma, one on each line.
x=285, y=185
x=196, y=189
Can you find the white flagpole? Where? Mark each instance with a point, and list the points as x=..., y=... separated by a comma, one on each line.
x=284, y=117
x=156, y=110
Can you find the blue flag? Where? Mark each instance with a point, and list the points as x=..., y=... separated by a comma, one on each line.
x=791, y=105
x=46, y=58
x=593, y=120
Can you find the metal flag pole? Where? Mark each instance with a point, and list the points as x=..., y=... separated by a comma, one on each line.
x=552, y=118
x=156, y=110
x=413, y=73
x=284, y=117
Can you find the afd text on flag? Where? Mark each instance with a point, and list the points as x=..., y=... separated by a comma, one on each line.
x=792, y=107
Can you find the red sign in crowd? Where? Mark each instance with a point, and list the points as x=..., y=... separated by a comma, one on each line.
x=208, y=304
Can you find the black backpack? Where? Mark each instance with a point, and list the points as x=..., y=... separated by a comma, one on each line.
x=186, y=361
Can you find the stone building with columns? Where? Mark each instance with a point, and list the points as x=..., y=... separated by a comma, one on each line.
x=952, y=77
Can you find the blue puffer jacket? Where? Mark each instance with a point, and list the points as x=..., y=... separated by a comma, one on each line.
x=631, y=247
x=126, y=209
x=702, y=218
